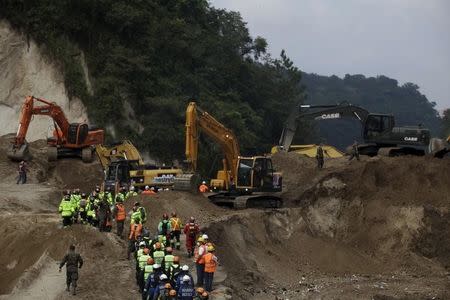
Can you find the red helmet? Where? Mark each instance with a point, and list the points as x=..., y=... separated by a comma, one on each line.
x=165, y=216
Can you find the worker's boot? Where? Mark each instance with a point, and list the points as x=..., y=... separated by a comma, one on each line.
x=68, y=288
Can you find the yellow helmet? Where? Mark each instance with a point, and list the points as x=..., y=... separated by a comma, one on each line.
x=211, y=248
x=200, y=239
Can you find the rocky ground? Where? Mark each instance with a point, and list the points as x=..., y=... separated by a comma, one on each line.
x=375, y=229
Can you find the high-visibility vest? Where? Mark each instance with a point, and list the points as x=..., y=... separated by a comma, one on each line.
x=210, y=263
x=197, y=258
x=130, y=194
x=143, y=260
x=168, y=261
x=158, y=256
x=135, y=231
x=139, y=253
x=175, y=223
x=121, y=214
x=66, y=208
x=148, y=269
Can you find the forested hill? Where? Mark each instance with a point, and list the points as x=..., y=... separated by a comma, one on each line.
x=376, y=94
x=148, y=58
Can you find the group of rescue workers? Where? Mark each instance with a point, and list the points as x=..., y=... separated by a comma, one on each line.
x=159, y=273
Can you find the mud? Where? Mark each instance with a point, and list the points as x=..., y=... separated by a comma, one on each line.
x=374, y=229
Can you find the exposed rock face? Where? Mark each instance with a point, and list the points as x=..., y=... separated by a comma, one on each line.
x=25, y=71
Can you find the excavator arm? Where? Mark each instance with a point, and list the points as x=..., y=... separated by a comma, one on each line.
x=318, y=112
x=196, y=120
x=29, y=109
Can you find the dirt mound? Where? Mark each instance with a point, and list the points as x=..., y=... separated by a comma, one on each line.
x=65, y=173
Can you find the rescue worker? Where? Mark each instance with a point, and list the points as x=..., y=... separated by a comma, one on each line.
x=66, y=209
x=355, y=151
x=174, y=270
x=148, y=191
x=211, y=262
x=184, y=272
x=168, y=259
x=143, y=213
x=142, y=262
x=172, y=295
x=120, y=196
x=119, y=214
x=175, y=225
x=103, y=212
x=164, y=227
x=131, y=193
x=186, y=290
x=203, y=188
x=199, y=253
x=162, y=287
x=135, y=232
x=75, y=200
x=148, y=268
x=22, y=170
x=152, y=282
x=73, y=262
x=191, y=231
x=82, y=208
x=90, y=211
x=158, y=254
x=199, y=291
x=108, y=196
x=320, y=157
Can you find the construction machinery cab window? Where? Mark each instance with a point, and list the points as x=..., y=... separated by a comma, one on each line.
x=377, y=124
x=245, y=172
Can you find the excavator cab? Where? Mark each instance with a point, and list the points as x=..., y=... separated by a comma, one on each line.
x=376, y=125
x=257, y=174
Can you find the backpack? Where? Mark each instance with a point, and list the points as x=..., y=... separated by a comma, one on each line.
x=164, y=227
x=83, y=203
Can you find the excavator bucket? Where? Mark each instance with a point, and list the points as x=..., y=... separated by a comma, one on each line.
x=439, y=147
x=186, y=182
x=19, y=153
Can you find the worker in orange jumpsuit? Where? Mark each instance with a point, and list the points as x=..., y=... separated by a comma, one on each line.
x=135, y=232
x=211, y=263
x=148, y=191
x=203, y=188
x=191, y=230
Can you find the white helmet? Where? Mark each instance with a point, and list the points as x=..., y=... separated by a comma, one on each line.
x=163, y=277
x=203, y=182
x=152, y=188
x=185, y=268
x=205, y=236
x=141, y=244
x=156, y=266
x=132, y=188
x=186, y=278
x=147, y=187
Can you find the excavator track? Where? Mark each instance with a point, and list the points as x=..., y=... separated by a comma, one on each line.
x=239, y=201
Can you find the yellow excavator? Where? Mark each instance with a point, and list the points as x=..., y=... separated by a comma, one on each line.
x=243, y=181
x=124, y=166
x=439, y=147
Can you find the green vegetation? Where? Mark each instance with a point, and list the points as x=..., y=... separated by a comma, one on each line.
x=156, y=55
x=446, y=123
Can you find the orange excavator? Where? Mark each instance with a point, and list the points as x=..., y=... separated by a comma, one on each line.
x=69, y=139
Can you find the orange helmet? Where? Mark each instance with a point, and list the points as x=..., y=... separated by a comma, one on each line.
x=158, y=245
x=176, y=259
x=150, y=261
x=146, y=251
x=172, y=293
x=205, y=294
x=169, y=250
x=200, y=290
x=167, y=286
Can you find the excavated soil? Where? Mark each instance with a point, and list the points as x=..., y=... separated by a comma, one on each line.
x=374, y=229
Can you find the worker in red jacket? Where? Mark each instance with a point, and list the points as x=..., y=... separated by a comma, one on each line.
x=191, y=230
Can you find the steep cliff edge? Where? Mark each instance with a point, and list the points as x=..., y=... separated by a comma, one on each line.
x=25, y=71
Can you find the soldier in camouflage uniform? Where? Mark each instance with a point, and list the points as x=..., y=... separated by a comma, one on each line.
x=73, y=262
